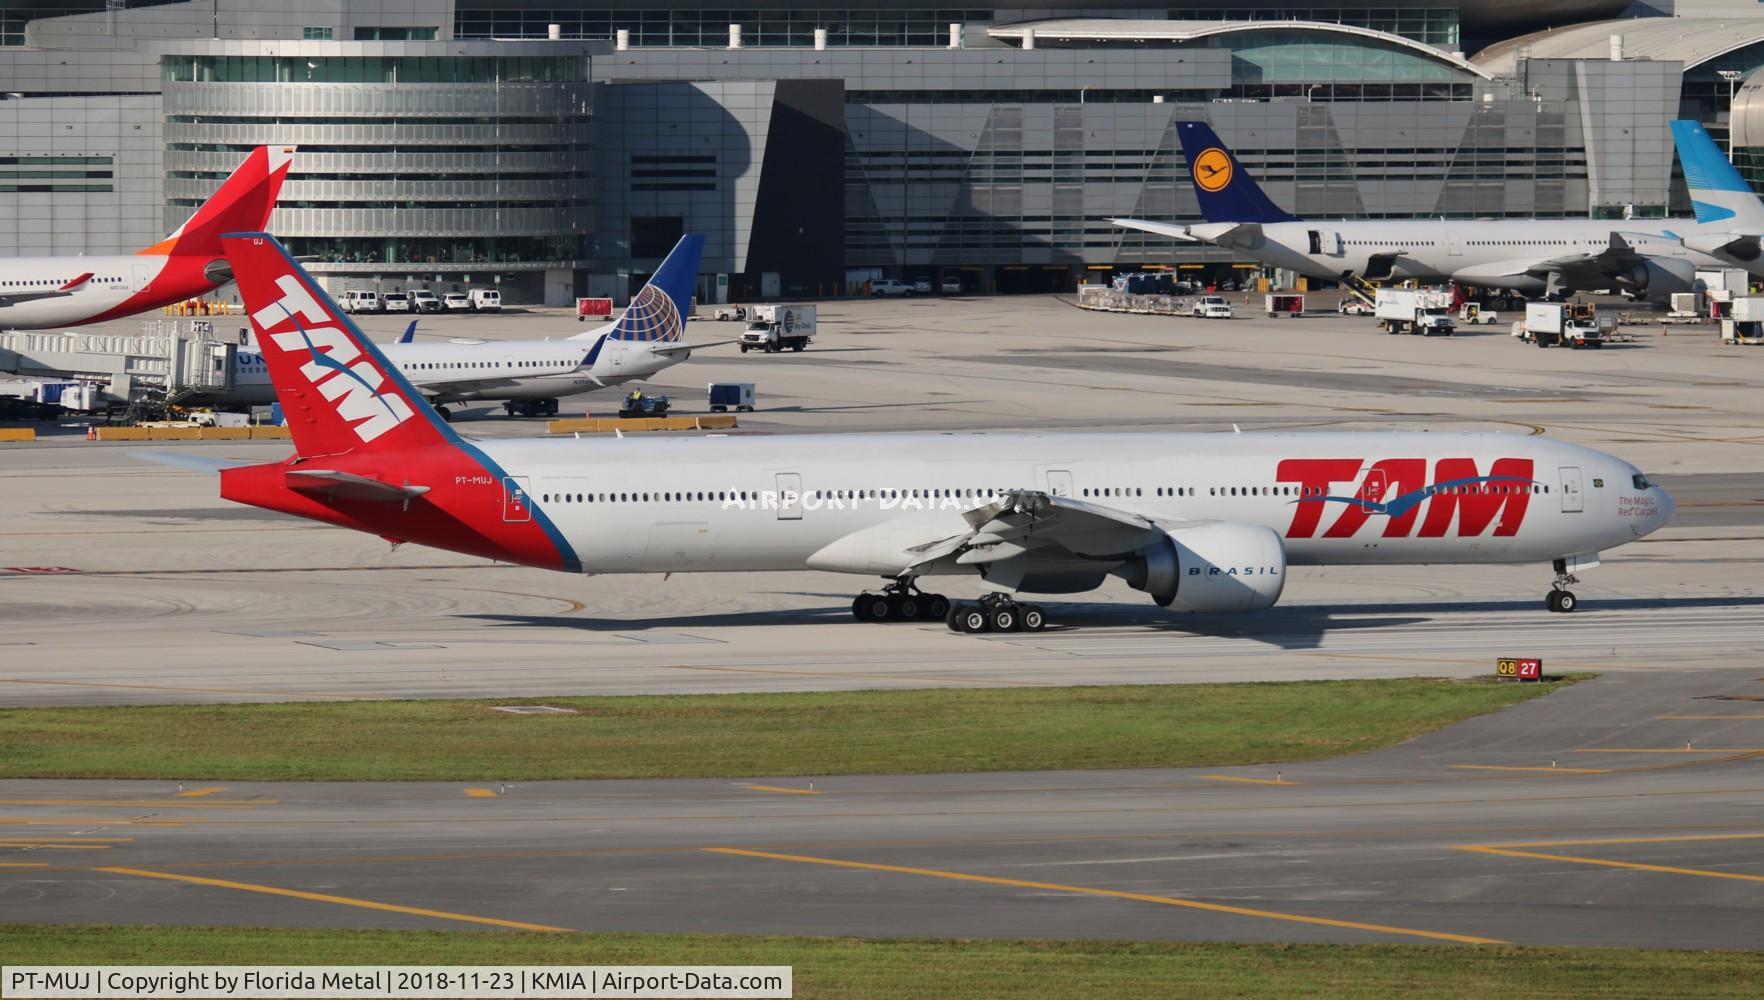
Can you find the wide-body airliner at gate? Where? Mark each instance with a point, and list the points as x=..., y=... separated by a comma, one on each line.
x=1200, y=522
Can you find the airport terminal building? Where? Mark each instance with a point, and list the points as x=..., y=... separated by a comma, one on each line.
x=560, y=150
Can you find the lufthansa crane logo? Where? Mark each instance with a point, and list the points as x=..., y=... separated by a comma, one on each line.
x=1212, y=170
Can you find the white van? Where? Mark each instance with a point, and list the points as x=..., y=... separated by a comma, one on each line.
x=486, y=300
x=358, y=300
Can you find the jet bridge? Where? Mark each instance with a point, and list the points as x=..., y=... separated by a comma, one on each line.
x=176, y=357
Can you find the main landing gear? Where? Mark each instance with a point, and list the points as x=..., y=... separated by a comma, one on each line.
x=900, y=601
x=1561, y=599
x=996, y=613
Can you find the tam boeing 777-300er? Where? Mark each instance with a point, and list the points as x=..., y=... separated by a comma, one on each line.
x=38, y=293
x=1200, y=522
x=1643, y=258
x=531, y=375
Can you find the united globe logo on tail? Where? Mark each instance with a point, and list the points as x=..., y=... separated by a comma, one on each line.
x=335, y=366
x=652, y=316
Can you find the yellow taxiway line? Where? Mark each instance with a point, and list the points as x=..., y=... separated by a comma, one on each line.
x=1246, y=781
x=1509, y=850
x=481, y=793
x=319, y=897
x=1547, y=769
x=196, y=793
x=1084, y=890
x=781, y=790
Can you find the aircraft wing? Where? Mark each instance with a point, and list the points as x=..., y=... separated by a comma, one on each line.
x=14, y=298
x=1737, y=246
x=1173, y=230
x=1023, y=531
x=351, y=486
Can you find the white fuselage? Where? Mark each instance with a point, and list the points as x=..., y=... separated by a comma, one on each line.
x=512, y=369
x=676, y=504
x=101, y=288
x=1486, y=253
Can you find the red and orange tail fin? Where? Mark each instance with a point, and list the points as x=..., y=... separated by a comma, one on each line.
x=338, y=392
x=242, y=204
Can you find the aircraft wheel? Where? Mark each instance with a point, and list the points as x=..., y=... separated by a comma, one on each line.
x=905, y=607
x=877, y=608
x=973, y=619
x=953, y=616
x=1033, y=618
x=1562, y=601
x=1004, y=618
x=935, y=607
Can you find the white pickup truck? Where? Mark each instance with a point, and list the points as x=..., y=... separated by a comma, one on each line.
x=1211, y=307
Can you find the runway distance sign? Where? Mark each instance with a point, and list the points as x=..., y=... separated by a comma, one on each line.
x=1518, y=668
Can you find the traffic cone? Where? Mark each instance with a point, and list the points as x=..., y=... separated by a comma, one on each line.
x=91, y=433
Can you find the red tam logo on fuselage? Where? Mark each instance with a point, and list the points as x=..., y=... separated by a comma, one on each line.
x=1398, y=489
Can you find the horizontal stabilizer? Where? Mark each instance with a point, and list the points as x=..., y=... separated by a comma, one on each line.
x=185, y=460
x=1174, y=230
x=351, y=486
x=672, y=349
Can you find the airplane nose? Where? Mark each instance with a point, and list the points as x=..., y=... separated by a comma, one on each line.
x=1666, y=508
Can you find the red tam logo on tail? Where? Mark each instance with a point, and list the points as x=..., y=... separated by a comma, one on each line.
x=353, y=388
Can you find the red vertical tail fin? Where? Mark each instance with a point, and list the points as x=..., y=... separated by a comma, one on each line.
x=339, y=393
x=242, y=204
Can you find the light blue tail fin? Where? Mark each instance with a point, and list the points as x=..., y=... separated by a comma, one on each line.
x=1718, y=192
x=658, y=312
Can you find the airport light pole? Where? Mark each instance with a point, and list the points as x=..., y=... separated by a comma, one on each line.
x=1732, y=76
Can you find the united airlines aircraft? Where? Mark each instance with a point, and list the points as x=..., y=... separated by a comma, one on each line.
x=1199, y=522
x=531, y=375
x=1649, y=258
x=42, y=292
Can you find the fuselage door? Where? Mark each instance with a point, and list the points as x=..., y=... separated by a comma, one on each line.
x=1454, y=243
x=789, y=496
x=514, y=500
x=1372, y=492
x=142, y=276
x=1316, y=238
x=1573, y=501
x=1059, y=482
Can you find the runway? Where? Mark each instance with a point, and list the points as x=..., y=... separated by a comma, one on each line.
x=1579, y=819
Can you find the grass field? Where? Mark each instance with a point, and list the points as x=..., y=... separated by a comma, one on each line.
x=853, y=732
x=1024, y=970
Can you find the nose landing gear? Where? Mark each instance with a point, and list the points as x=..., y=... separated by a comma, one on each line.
x=900, y=601
x=1561, y=600
x=996, y=613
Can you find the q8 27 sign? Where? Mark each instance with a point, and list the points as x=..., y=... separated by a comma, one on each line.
x=1518, y=668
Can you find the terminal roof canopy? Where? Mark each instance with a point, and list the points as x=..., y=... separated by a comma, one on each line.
x=1133, y=31
x=1690, y=40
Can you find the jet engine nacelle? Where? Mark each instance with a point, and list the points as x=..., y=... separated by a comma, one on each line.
x=1659, y=277
x=1211, y=567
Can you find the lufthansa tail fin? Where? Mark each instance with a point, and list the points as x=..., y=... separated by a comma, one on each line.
x=1718, y=192
x=658, y=312
x=242, y=204
x=1225, y=189
x=338, y=392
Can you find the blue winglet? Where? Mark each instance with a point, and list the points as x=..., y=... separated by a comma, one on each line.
x=409, y=333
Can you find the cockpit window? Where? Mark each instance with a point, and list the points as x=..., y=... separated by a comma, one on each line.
x=1641, y=481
